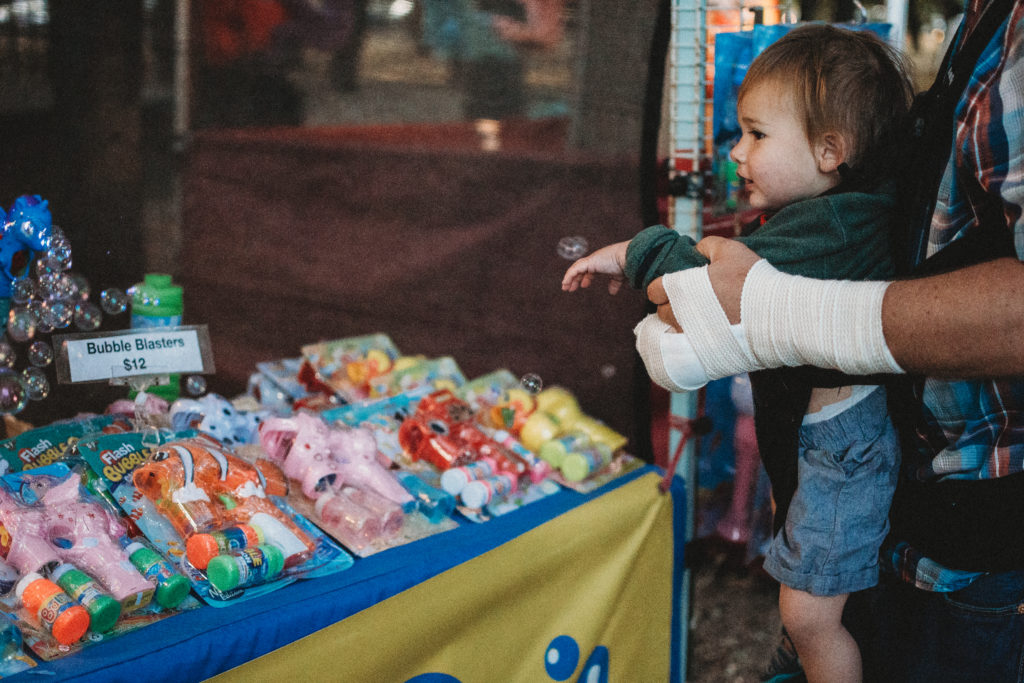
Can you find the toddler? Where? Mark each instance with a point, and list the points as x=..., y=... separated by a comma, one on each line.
x=819, y=109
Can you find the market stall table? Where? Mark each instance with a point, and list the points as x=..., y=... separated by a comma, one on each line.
x=581, y=586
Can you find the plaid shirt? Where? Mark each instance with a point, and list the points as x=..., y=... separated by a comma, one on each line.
x=983, y=422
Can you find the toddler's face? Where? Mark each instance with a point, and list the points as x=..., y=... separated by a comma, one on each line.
x=775, y=159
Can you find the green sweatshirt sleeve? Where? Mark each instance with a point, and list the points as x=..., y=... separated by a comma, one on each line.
x=659, y=250
x=840, y=236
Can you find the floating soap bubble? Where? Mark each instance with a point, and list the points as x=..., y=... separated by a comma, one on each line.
x=88, y=316
x=608, y=371
x=44, y=266
x=23, y=290
x=7, y=355
x=572, y=248
x=48, y=285
x=55, y=314
x=113, y=301
x=36, y=383
x=13, y=392
x=40, y=354
x=81, y=284
x=532, y=383
x=21, y=324
x=58, y=256
x=65, y=287
x=195, y=385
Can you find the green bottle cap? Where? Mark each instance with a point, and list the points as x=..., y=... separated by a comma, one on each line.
x=575, y=467
x=156, y=296
x=104, y=612
x=552, y=452
x=172, y=590
x=275, y=558
x=222, y=572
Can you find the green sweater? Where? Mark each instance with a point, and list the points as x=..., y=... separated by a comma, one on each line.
x=837, y=236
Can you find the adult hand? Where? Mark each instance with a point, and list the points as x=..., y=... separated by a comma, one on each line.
x=730, y=263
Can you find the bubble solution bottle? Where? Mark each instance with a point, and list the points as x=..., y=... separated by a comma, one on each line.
x=54, y=609
x=157, y=302
x=201, y=548
x=171, y=587
x=103, y=609
x=246, y=567
x=480, y=492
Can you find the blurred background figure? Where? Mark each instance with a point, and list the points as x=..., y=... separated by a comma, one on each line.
x=487, y=43
x=240, y=79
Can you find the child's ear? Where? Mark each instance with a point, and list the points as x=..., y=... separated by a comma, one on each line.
x=830, y=152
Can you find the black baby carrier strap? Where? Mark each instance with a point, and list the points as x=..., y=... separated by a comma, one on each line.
x=963, y=524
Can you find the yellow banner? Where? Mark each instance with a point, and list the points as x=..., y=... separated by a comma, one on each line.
x=586, y=596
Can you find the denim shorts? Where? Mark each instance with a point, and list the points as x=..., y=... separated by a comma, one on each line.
x=847, y=471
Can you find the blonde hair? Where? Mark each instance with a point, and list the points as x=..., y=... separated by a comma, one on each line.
x=844, y=81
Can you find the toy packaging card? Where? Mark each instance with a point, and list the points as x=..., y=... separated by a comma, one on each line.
x=384, y=416
x=411, y=373
x=276, y=384
x=49, y=444
x=340, y=480
x=69, y=578
x=488, y=390
x=347, y=366
x=223, y=522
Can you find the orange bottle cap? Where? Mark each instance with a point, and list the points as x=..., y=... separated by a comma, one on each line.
x=200, y=549
x=71, y=625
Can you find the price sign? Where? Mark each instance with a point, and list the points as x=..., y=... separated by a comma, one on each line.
x=156, y=351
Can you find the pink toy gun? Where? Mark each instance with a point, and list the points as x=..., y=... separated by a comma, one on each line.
x=66, y=527
x=323, y=459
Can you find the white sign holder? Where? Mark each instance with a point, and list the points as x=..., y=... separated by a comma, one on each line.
x=138, y=357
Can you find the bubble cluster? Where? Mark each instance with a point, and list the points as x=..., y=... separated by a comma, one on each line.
x=531, y=382
x=195, y=385
x=572, y=248
x=45, y=297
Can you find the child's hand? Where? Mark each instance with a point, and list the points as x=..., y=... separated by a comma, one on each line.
x=610, y=261
x=656, y=295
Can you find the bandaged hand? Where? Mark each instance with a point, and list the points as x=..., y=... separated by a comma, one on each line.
x=786, y=320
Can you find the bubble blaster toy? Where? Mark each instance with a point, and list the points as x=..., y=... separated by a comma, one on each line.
x=200, y=487
x=50, y=521
x=215, y=415
x=556, y=413
x=25, y=232
x=324, y=459
x=444, y=433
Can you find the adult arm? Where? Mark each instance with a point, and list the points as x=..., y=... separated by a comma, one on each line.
x=968, y=323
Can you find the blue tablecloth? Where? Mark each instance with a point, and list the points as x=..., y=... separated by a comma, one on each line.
x=204, y=642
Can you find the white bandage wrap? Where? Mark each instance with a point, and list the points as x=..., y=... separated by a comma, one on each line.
x=721, y=351
x=668, y=356
x=792, y=320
